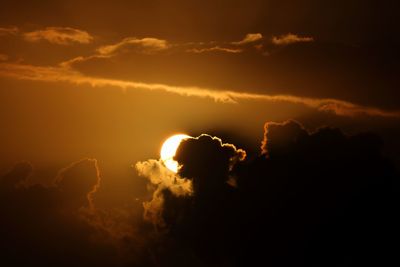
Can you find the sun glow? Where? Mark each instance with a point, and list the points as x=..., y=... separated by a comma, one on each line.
x=168, y=151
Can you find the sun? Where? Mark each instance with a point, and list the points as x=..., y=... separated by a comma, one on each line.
x=168, y=151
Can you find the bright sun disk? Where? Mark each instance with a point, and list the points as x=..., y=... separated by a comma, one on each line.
x=168, y=151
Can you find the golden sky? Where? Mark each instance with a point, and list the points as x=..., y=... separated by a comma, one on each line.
x=111, y=80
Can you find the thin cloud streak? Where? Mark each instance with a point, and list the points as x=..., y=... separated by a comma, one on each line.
x=59, y=35
x=8, y=31
x=148, y=45
x=214, y=49
x=62, y=74
x=249, y=38
x=291, y=38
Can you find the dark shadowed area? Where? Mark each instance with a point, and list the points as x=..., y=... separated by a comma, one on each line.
x=318, y=198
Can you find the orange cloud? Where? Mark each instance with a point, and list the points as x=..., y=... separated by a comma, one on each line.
x=146, y=45
x=9, y=31
x=59, y=35
x=249, y=38
x=290, y=38
x=215, y=48
x=62, y=74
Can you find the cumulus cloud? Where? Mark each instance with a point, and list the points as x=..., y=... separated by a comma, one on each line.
x=59, y=35
x=309, y=198
x=162, y=179
x=313, y=188
x=59, y=224
x=249, y=38
x=145, y=45
x=290, y=38
x=281, y=136
x=69, y=180
x=208, y=156
x=65, y=74
x=47, y=220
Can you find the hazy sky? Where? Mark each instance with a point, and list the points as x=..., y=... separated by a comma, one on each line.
x=112, y=80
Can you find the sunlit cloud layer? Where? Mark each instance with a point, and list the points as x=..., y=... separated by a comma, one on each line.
x=62, y=74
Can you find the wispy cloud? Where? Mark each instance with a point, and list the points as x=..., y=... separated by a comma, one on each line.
x=9, y=31
x=62, y=74
x=290, y=38
x=59, y=35
x=249, y=38
x=146, y=45
x=214, y=49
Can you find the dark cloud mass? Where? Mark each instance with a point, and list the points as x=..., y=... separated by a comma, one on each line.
x=58, y=225
x=318, y=198
x=309, y=199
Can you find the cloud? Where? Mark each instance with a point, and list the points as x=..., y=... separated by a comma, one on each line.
x=63, y=74
x=9, y=31
x=308, y=199
x=69, y=181
x=145, y=45
x=59, y=35
x=16, y=176
x=281, y=136
x=214, y=49
x=40, y=223
x=249, y=38
x=208, y=153
x=290, y=38
x=314, y=188
x=162, y=179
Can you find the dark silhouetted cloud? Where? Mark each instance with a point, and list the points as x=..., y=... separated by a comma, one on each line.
x=309, y=198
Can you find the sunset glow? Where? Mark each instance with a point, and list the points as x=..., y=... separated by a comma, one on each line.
x=171, y=133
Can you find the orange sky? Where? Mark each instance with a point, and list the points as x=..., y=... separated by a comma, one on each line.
x=112, y=80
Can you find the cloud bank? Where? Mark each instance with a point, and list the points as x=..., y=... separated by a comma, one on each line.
x=307, y=199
